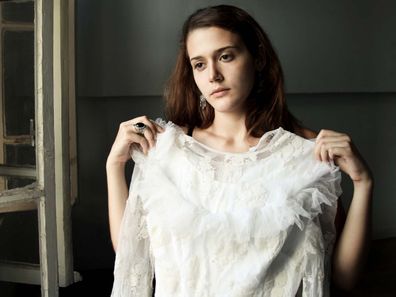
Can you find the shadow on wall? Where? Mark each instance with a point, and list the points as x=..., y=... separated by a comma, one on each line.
x=97, y=124
x=366, y=117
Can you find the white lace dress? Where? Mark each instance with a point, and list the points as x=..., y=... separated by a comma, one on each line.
x=216, y=224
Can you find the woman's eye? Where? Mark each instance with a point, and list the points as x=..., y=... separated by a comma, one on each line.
x=226, y=57
x=198, y=66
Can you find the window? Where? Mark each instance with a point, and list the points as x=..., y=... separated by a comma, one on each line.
x=37, y=133
x=17, y=150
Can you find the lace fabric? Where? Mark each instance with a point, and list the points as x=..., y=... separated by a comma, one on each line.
x=211, y=223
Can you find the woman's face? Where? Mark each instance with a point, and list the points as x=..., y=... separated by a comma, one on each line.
x=223, y=68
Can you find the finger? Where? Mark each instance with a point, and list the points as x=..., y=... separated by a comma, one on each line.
x=332, y=139
x=150, y=124
x=319, y=146
x=155, y=128
x=144, y=144
x=326, y=151
x=329, y=142
x=339, y=149
x=151, y=130
x=150, y=136
x=330, y=145
x=131, y=137
x=324, y=154
x=336, y=153
x=327, y=133
x=317, y=151
x=158, y=127
x=143, y=119
x=127, y=137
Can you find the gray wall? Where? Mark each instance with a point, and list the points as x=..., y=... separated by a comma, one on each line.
x=340, y=68
x=127, y=47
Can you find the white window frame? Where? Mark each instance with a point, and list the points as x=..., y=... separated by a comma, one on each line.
x=55, y=137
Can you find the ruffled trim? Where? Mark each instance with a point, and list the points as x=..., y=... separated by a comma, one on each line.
x=170, y=216
x=297, y=199
x=283, y=170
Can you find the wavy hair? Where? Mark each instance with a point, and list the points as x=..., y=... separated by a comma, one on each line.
x=266, y=106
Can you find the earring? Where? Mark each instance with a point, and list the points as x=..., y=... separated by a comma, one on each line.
x=202, y=101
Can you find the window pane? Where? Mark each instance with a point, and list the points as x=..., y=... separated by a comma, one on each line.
x=20, y=155
x=18, y=12
x=18, y=81
x=19, y=237
x=18, y=182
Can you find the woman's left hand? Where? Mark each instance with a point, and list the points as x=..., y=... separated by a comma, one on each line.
x=332, y=145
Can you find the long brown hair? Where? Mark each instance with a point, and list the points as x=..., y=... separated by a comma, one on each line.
x=266, y=105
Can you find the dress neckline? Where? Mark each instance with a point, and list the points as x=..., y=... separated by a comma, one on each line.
x=264, y=140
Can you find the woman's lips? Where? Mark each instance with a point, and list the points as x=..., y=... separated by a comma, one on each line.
x=219, y=92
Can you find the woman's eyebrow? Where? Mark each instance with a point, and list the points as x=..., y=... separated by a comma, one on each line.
x=217, y=51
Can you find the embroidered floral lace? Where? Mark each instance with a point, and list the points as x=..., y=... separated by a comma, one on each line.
x=216, y=224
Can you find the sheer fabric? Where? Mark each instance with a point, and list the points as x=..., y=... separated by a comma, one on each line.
x=216, y=224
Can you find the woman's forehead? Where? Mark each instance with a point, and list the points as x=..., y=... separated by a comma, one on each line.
x=206, y=40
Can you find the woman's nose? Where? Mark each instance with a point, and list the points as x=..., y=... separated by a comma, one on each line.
x=214, y=73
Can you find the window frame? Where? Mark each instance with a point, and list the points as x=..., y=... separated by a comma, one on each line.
x=55, y=189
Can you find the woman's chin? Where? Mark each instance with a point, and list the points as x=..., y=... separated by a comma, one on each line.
x=224, y=105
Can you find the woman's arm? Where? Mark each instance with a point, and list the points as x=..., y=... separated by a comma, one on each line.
x=117, y=192
x=115, y=168
x=352, y=245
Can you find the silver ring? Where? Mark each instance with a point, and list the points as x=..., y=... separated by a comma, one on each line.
x=139, y=128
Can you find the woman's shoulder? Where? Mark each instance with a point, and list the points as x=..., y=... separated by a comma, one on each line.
x=306, y=133
x=184, y=129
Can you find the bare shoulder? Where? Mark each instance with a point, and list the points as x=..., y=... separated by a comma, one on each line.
x=306, y=133
x=185, y=129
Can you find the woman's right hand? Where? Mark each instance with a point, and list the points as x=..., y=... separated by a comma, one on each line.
x=128, y=135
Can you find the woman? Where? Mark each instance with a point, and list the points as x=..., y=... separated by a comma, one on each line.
x=229, y=200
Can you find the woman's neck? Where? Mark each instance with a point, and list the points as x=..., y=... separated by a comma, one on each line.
x=229, y=127
x=227, y=133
